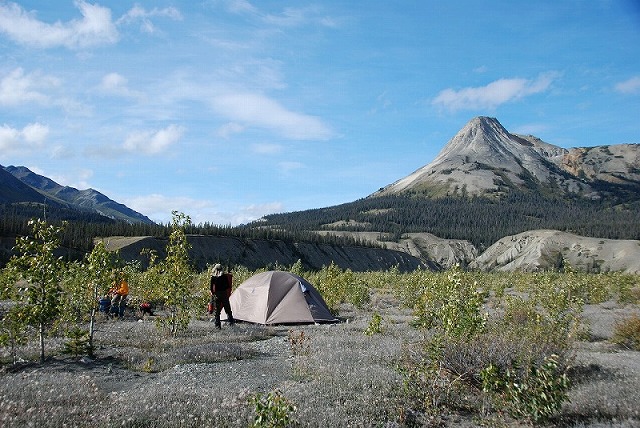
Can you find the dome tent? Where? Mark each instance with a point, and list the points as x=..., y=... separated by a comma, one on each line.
x=277, y=297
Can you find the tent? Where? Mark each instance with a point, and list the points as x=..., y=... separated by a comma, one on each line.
x=277, y=297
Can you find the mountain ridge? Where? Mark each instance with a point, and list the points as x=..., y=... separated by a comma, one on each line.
x=36, y=188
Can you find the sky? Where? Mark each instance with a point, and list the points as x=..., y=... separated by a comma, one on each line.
x=229, y=110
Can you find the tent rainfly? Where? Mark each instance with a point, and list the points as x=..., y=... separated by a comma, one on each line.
x=277, y=297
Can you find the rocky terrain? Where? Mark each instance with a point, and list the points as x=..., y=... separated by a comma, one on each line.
x=337, y=377
x=549, y=249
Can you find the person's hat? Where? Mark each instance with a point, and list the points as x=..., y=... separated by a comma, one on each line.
x=217, y=267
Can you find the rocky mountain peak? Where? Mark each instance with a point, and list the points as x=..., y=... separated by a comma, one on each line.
x=483, y=158
x=482, y=127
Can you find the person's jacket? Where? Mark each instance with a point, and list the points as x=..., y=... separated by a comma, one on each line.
x=122, y=288
x=220, y=286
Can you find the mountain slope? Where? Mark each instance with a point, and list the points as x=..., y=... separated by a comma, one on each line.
x=550, y=249
x=36, y=188
x=484, y=159
x=12, y=190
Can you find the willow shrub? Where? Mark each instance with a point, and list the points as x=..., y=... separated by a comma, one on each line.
x=337, y=285
x=513, y=362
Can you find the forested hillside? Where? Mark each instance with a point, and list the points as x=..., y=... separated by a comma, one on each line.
x=479, y=220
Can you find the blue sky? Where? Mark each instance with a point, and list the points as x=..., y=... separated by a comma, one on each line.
x=227, y=110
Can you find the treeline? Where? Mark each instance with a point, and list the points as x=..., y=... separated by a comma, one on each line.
x=78, y=237
x=481, y=221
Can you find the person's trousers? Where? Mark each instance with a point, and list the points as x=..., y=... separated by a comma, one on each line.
x=223, y=302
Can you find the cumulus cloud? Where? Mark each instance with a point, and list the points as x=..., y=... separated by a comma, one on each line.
x=159, y=207
x=28, y=138
x=494, y=94
x=630, y=86
x=93, y=29
x=153, y=142
x=19, y=88
x=257, y=110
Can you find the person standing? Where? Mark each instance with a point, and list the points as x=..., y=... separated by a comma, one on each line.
x=221, y=290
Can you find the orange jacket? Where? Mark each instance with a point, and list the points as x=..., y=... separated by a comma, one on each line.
x=122, y=288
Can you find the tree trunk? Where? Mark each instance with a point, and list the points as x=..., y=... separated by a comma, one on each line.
x=92, y=319
x=41, y=331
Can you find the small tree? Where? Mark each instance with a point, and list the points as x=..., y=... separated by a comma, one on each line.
x=177, y=276
x=37, y=265
x=84, y=284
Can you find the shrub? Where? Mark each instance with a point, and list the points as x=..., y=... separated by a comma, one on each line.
x=535, y=394
x=272, y=410
x=77, y=343
x=453, y=305
x=339, y=286
x=375, y=325
x=627, y=333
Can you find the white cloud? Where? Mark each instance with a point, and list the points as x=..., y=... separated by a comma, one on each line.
x=28, y=138
x=35, y=133
x=153, y=142
x=257, y=110
x=116, y=84
x=494, y=94
x=159, y=207
x=138, y=13
x=630, y=86
x=20, y=88
x=93, y=29
x=77, y=178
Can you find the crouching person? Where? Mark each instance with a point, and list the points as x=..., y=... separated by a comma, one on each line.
x=119, y=295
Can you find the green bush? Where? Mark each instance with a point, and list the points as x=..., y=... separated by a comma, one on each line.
x=534, y=394
x=375, y=325
x=77, y=343
x=272, y=410
x=454, y=305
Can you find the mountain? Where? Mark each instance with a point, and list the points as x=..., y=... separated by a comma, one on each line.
x=13, y=190
x=484, y=159
x=579, y=205
x=19, y=185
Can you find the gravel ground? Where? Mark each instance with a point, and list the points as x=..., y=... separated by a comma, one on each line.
x=343, y=378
